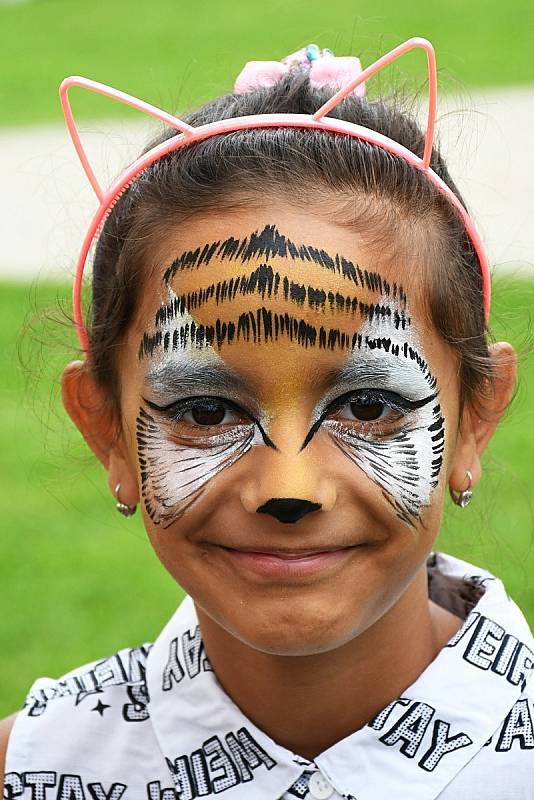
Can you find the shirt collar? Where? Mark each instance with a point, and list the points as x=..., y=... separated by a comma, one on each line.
x=425, y=737
x=205, y=738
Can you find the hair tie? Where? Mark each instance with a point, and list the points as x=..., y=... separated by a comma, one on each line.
x=325, y=69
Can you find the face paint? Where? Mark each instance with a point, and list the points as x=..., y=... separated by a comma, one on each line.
x=175, y=468
x=263, y=325
x=266, y=282
x=405, y=460
x=269, y=244
x=178, y=456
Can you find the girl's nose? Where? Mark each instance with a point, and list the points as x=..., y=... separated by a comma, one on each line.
x=288, y=485
x=288, y=509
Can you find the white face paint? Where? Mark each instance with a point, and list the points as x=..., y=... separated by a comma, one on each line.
x=174, y=469
x=175, y=466
x=405, y=460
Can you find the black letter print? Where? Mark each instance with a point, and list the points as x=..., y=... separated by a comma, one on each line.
x=441, y=744
x=410, y=729
x=517, y=725
x=38, y=782
x=137, y=710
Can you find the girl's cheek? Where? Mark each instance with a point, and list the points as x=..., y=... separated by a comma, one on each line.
x=174, y=475
x=406, y=464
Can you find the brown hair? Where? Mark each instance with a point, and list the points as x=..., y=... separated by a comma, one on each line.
x=229, y=169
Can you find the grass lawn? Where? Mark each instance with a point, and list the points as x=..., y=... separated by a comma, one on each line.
x=78, y=581
x=176, y=53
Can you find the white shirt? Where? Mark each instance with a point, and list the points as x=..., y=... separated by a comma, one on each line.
x=153, y=723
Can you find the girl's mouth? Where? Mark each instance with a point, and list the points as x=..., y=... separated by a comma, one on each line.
x=288, y=563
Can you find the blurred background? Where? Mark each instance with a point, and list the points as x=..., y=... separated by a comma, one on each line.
x=78, y=581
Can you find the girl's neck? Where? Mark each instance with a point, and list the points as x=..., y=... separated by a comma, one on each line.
x=308, y=703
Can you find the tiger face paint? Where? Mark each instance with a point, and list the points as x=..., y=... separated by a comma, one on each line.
x=245, y=333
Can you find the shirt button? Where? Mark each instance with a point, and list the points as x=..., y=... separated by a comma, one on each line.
x=319, y=788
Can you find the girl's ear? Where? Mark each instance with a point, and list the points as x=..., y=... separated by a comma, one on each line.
x=478, y=424
x=91, y=412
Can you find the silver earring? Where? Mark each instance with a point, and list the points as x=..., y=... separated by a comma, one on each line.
x=122, y=508
x=463, y=498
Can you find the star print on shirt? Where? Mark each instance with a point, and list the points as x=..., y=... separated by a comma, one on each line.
x=100, y=707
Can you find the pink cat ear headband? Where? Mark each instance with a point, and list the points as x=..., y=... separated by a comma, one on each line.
x=324, y=70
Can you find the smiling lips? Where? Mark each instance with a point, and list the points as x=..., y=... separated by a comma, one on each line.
x=287, y=563
x=289, y=554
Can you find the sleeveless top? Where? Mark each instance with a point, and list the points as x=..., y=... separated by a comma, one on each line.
x=153, y=723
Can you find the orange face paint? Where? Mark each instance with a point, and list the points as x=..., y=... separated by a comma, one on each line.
x=245, y=330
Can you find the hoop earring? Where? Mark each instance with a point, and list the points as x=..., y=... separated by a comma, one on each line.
x=122, y=508
x=462, y=499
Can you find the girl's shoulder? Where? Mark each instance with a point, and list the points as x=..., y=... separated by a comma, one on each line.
x=70, y=728
x=125, y=668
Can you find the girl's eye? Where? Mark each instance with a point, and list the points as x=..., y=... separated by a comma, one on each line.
x=367, y=411
x=371, y=407
x=208, y=413
x=201, y=416
x=195, y=416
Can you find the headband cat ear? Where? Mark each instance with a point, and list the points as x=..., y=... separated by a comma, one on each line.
x=187, y=135
x=121, y=97
x=367, y=73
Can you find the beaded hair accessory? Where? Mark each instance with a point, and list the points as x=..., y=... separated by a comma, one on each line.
x=324, y=70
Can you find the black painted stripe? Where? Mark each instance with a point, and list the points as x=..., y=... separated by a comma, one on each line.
x=265, y=282
x=270, y=243
x=258, y=326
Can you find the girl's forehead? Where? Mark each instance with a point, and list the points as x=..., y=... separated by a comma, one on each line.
x=267, y=303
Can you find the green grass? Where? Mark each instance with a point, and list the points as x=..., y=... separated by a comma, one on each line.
x=76, y=578
x=176, y=53
x=78, y=581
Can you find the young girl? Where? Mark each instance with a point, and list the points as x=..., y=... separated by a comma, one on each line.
x=287, y=367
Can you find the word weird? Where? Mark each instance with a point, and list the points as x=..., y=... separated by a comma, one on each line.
x=215, y=768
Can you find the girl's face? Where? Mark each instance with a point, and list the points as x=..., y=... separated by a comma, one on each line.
x=291, y=421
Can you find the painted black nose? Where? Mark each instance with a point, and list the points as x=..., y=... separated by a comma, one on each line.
x=287, y=509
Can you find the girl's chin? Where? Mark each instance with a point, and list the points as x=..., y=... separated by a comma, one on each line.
x=294, y=631
x=291, y=645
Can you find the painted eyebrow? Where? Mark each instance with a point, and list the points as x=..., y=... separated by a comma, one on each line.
x=377, y=372
x=176, y=377
x=220, y=377
x=355, y=373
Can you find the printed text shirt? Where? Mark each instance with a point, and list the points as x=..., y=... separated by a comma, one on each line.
x=153, y=723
